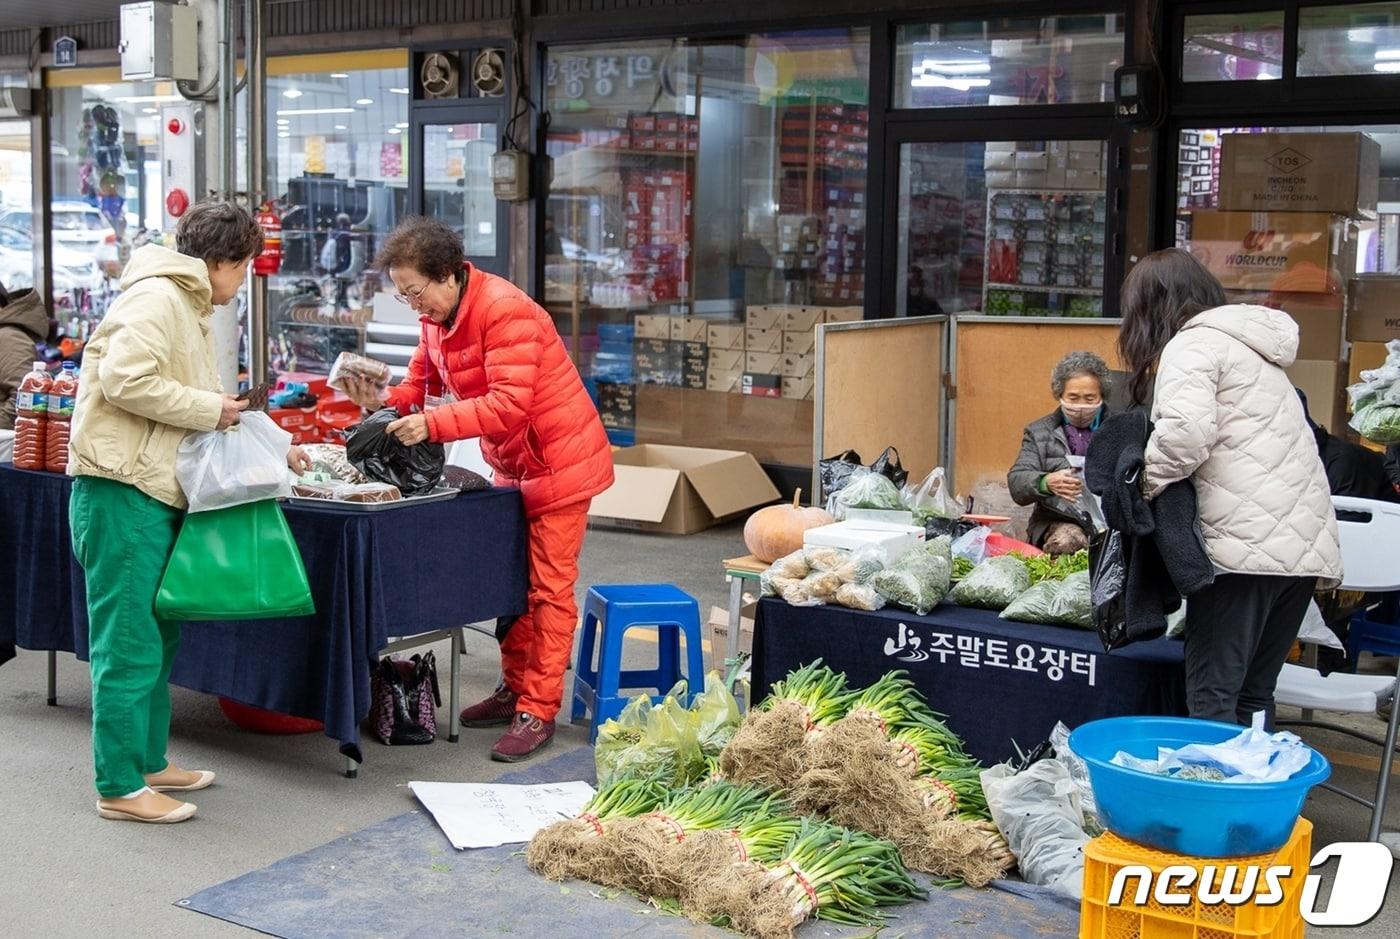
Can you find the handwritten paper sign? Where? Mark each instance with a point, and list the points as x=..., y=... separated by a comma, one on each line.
x=485, y=815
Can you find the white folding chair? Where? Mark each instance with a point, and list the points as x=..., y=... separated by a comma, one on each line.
x=1371, y=564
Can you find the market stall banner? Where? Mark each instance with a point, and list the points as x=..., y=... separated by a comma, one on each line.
x=374, y=575
x=1001, y=684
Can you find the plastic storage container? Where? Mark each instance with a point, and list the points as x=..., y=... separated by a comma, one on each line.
x=1107, y=854
x=1200, y=819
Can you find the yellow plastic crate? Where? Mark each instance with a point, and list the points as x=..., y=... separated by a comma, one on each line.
x=1107, y=854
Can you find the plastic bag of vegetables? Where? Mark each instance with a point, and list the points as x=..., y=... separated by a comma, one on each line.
x=1379, y=422
x=931, y=499
x=860, y=597
x=918, y=581
x=973, y=545
x=993, y=584
x=617, y=755
x=1073, y=605
x=1033, y=606
x=866, y=490
x=714, y=716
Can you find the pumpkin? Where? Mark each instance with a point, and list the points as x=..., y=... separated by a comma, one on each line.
x=777, y=531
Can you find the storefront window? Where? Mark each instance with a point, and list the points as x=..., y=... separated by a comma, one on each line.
x=1359, y=39
x=698, y=189
x=16, y=202
x=336, y=141
x=457, y=182
x=107, y=192
x=1004, y=228
x=1042, y=60
x=1228, y=47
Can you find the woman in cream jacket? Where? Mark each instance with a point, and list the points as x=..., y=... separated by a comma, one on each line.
x=1227, y=417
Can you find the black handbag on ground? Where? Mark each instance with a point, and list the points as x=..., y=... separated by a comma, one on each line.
x=404, y=696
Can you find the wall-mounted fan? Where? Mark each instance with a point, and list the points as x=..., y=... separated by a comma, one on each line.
x=439, y=75
x=489, y=73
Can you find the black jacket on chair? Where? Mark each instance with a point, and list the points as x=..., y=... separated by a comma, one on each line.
x=1162, y=542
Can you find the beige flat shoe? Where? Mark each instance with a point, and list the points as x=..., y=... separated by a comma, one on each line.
x=174, y=779
x=152, y=808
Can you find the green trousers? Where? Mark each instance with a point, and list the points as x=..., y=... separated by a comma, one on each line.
x=123, y=539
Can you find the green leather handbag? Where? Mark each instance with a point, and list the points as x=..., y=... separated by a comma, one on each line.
x=235, y=564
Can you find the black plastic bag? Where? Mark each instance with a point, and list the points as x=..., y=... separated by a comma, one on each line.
x=836, y=470
x=1108, y=585
x=415, y=470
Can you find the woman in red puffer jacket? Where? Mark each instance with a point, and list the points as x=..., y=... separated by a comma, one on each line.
x=498, y=354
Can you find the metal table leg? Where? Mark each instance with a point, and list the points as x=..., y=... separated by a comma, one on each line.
x=53, y=679
x=736, y=607
x=1387, y=759
x=455, y=676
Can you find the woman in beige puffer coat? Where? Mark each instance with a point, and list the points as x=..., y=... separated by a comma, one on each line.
x=1226, y=417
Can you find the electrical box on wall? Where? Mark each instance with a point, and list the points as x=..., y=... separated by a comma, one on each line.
x=181, y=158
x=510, y=175
x=1136, y=95
x=158, y=40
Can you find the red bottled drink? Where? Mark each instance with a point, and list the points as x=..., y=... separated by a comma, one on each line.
x=32, y=418
x=62, y=396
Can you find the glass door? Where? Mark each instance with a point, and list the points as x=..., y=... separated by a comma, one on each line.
x=452, y=180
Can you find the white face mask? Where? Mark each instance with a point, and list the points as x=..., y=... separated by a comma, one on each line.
x=1080, y=415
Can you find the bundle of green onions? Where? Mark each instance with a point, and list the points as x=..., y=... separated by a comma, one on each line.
x=817, y=689
x=626, y=798
x=924, y=748
x=765, y=839
x=832, y=873
x=891, y=701
x=571, y=847
x=720, y=805
x=956, y=792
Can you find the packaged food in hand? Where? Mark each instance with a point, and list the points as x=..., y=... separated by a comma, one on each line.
x=355, y=366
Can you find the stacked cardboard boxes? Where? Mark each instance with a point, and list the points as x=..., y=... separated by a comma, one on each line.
x=1058, y=164
x=1286, y=237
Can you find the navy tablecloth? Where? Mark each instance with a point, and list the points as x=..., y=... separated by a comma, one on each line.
x=374, y=575
x=998, y=681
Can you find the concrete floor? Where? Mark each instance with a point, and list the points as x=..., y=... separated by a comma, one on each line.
x=67, y=873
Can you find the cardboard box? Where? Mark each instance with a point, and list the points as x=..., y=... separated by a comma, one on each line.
x=728, y=381
x=845, y=314
x=765, y=363
x=1086, y=161
x=653, y=327
x=995, y=160
x=1032, y=179
x=1321, y=380
x=763, y=340
x=336, y=414
x=766, y=317
x=727, y=360
x=761, y=385
x=803, y=318
x=1329, y=173
x=890, y=541
x=718, y=631
x=797, y=366
x=689, y=329
x=1289, y=252
x=1032, y=160
x=800, y=343
x=1318, y=315
x=1373, y=308
x=799, y=389
x=1001, y=179
x=680, y=490
x=299, y=422
x=725, y=336
x=1086, y=146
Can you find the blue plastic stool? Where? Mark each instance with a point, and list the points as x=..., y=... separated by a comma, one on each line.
x=618, y=608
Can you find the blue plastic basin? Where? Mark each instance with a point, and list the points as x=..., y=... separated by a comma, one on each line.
x=1187, y=816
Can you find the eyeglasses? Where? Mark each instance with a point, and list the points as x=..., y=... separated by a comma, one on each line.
x=413, y=296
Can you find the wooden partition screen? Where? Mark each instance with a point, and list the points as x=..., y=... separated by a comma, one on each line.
x=879, y=383
x=1002, y=371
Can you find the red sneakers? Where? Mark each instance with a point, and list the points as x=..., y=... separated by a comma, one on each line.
x=526, y=735
x=495, y=711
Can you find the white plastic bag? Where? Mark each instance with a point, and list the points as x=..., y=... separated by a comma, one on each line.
x=1252, y=756
x=1037, y=811
x=972, y=545
x=930, y=499
x=1316, y=631
x=246, y=463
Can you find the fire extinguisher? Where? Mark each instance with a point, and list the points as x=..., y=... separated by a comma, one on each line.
x=269, y=260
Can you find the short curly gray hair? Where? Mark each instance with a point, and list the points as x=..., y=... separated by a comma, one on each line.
x=1080, y=363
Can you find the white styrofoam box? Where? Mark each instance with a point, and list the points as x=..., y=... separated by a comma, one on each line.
x=892, y=541
x=892, y=516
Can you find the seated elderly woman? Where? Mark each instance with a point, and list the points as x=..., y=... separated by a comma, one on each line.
x=1044, y=475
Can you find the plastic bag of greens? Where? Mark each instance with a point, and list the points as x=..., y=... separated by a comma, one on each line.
x=1378, y=421
x=859, y=566
x=669, y=744
x=618, y=754
x=1033, y=606
x=821, y=558
x=783, y=572
x=714, y=716
x=972, y=545
x=821, y=586
x=993, y=584
x=860, y=597
x=931, y=499
x=865, y=490
x=918, y=582
x=1038, y=812
x=1073, y=605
